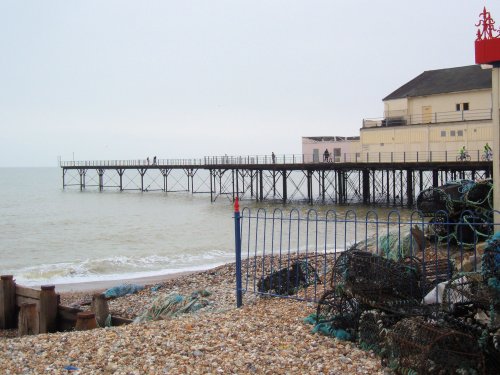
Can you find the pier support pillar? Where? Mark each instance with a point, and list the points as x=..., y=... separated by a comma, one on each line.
x=261, y=186
x=421, y=180
x=82, y=173
x=100, y=173
x=409, y=187
x=234, y=183
x=322, y=185
x=284, y=177
x=374, y=185
x=309, y=187
x=387, y=190
x=274, y=183
x=339, y=181
x=120, y=174
x=212, y=177
x=394, y=187
x=142, y=172
x=366, y=186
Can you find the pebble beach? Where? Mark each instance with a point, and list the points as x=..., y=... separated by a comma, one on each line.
x=265, y=336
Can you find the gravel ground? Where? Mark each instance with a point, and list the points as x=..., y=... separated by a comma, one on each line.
x=266, y=336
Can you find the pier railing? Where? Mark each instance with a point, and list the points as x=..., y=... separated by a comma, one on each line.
x=396, y=118
x=356, y=157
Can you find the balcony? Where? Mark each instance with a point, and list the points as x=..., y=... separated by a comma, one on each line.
x=429, y=118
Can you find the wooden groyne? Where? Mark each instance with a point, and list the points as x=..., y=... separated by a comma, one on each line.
x=34, y=311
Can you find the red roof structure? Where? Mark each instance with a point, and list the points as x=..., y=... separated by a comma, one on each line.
x=487, y=43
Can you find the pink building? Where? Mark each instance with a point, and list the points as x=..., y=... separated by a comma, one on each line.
x=339, y=149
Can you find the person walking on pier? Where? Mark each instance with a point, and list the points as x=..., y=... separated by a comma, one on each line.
x=326, y=155
x=273, y=157
x=147, y=160
x=154, y=160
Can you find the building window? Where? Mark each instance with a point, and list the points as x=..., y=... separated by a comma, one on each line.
x=443, y=133
x=452, y=133
x=466, y=106
x=457, y=106
x=462, y=106
x=460, y=133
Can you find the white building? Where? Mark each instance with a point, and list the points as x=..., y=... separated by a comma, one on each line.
x=428, y=118
x=437, y=112
x=339, y=148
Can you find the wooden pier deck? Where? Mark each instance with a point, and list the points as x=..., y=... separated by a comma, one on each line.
x=388, y=179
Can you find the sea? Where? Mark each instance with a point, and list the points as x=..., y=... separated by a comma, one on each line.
x=51, y=235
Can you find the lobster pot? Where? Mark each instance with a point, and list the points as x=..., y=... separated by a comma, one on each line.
x=449, y=197
x=466, y=292
x=374, y=279
x=456, y=190
x=415, y=345
x=491, y=258
x=431, y=200
x=338, y=308
x=472, y=229
x=479, y=195
x=372, y=328
x=442, y=228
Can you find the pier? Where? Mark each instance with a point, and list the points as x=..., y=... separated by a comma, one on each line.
x=369, y=178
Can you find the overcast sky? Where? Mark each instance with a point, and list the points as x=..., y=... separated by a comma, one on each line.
x=129, y=79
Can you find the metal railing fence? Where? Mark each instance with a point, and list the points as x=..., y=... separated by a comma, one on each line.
x=293, y=159
x=398, y=119
x=292, y=254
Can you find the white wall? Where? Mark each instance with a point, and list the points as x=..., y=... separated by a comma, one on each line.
x=424, y=138
x=396, y=108
x=349, y=148
x=444, y=106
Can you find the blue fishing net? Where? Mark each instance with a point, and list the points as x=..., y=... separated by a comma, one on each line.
x=122, y=290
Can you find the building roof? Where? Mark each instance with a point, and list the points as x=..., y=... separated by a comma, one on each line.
x=431, y=82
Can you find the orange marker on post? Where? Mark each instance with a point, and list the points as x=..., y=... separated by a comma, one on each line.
x=236, y=205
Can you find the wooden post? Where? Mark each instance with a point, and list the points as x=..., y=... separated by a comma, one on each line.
x=100, y=308
x=48, y=309
x=28, y=319
x=85, y=320
x=7, y=302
